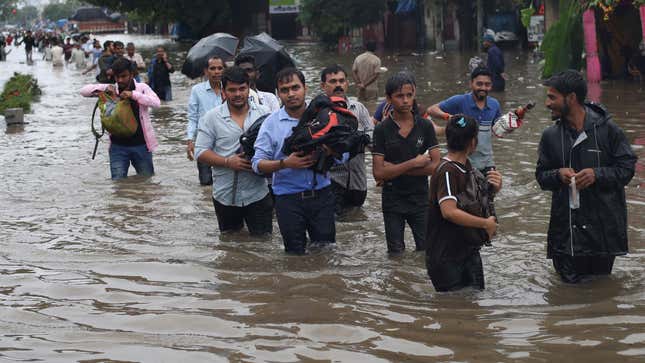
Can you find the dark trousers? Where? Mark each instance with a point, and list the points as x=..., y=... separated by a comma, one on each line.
x=309, y=212
x=458, y=274
x=395, y=229
x=347, y=198
x=205, y=174
x=573, y=268
x=258, y=216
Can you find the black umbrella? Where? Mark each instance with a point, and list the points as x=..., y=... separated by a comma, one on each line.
x=270, y=58
x=219, y=44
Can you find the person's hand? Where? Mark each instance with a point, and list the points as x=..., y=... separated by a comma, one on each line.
x=421, y=161
x=238, y=162
x=298, y=160
x=165, y=57
x=585, y=178
x=190, y=150
x=505, y=76
x=110, y=90
x=125, y=95
x=360, y=86
x=566, y=174
x=494, y=177
x=491, y=226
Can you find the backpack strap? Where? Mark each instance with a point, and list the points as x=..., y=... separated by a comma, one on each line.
x=97, y=135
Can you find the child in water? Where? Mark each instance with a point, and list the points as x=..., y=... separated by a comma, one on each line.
x=460, y=220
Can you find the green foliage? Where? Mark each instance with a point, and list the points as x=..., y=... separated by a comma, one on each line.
x=330, y=19
x=61, y=9
x=564, y=41
x=6, y=6
x=19, y=92
x=27, y=13
x=525, y=15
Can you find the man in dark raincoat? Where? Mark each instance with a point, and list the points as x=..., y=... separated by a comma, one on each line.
x=586, y=161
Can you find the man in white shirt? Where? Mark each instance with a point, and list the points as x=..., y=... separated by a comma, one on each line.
x=57, y=54
x=135, y=58
x=264, y=99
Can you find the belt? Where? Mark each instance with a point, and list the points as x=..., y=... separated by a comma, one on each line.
x=309, y=194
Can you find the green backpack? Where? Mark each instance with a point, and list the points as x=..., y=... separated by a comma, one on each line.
x=117, y=116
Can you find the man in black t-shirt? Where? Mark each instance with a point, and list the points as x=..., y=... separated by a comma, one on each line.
x=29, y=41
x=400, y=161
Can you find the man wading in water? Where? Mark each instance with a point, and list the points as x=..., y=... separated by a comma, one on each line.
x=138, y=148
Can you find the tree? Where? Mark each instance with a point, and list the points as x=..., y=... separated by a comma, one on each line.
x=330, y=19
x=61, y=9
x=7, y=8
x=202, y=16
x=27, y=13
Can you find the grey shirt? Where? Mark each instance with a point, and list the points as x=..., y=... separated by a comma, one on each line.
x=220, y=133
x=353, y=173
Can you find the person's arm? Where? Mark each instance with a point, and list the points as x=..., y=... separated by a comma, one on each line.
x=548, y=172
x=146, y=97
x=91, y=90
x=428, y=170
x=193, y=115
x=436, y=112
x=623, y=165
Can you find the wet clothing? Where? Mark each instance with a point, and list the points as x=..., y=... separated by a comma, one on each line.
x=122, y=156
x=57, y=56
x=258, y=216
x=486, y=117
x=29, y=43
x=405, y=195
x=495, y=65
x=452, y=255
x=366, y=65
x=352, y=176
x=572, y=269
x=67, y=49
x=599, y=226
x=159, y=78
x=136, y=139
x=219, y=133
x=145, y=98
x=104, y=63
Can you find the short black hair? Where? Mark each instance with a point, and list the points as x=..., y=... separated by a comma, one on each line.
x=234, y=74
x=129, y=44
x=370, y=46
x=215, y=57
x=397, y=81
x=567, y=82
x=118, y=43
x=286, y=74
x=107, y=43
x=245, y=58
x=121, y=64
x=460, y=133
x=480, y=71
x=331, y=70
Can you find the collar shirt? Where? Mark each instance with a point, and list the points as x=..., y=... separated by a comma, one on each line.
x=268, y=146
x=219, y=133
x=202, y=99
x=485, y=117
x=353, y=175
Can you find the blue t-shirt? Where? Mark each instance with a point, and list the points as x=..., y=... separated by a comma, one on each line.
x=486, y=117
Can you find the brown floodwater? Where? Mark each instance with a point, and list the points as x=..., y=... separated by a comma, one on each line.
x=93, y=270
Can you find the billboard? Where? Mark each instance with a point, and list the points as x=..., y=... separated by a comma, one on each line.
x=284, y=6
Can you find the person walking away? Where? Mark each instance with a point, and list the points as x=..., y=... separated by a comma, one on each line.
x=204, y=97
x=103, y=65
x=304, y=200
x=457, y=226
x=67, y=49
x=138, y=148
x=495, y=63
x=159, y=75
x=349, y=181
x=586, y=161
x=3, y=44
x=365, y=71
x=136, y=59
x=239, y=195
x=478, y=105
x=29, y=41
x=78, y=57
x=264, y=99
x=58, y=54
x=401, y=141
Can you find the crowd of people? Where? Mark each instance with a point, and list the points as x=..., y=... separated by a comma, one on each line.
x=446, y=200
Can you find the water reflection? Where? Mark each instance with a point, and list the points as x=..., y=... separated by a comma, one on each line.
x=136, y=270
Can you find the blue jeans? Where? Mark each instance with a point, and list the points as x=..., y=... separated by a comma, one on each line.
x=121, y=157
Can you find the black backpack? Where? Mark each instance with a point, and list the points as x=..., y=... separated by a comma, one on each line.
x=247, y=140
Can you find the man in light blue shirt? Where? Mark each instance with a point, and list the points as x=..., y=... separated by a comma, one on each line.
x=304, y=200
x=239, y=195
x=203, y=98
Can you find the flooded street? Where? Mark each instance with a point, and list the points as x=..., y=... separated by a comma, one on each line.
x=94, y=270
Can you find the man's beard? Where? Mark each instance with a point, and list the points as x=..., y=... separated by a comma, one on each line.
x=564, y=112
x=479, y=95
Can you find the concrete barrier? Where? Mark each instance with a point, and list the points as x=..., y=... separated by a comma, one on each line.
x=14, y=116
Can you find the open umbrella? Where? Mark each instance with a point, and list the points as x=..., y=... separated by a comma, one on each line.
x=219, y=44
x=270, y=58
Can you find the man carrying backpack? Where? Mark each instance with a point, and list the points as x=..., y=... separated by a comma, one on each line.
x=349, y=181
x=136, y=149
x=304, y=200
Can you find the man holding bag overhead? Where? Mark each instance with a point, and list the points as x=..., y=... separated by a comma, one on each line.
x=136, y=147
